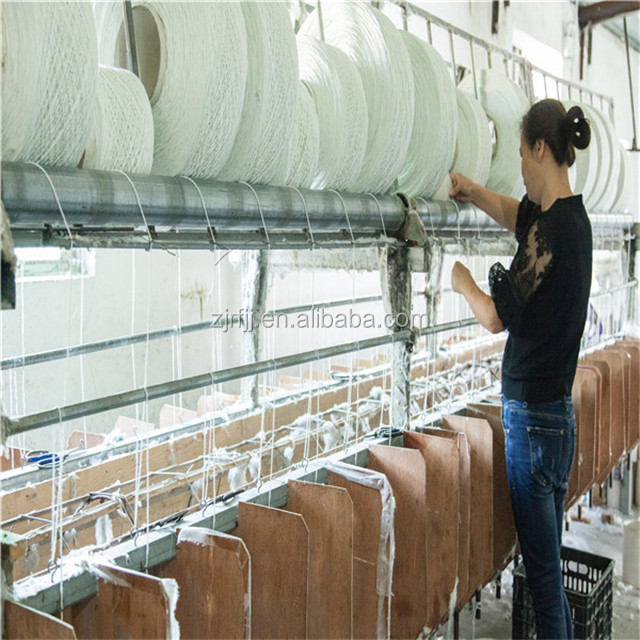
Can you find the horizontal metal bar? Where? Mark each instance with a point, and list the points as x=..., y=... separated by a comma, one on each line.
x=106, y=199
x=608, y=292
x=113, y=343
x=135, y=396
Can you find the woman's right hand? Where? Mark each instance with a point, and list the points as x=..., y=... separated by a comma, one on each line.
x=462, y=188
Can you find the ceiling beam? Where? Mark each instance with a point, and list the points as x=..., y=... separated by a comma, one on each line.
x=602, y=11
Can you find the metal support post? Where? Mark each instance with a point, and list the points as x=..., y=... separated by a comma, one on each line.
x=255, y=278
x=396, y=293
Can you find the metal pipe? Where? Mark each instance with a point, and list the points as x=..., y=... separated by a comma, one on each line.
x=115, y=401
x=107, y=199
x=130, y=36
x=634, y=145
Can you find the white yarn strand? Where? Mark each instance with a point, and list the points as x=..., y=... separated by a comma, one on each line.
x=375, y=46
x=336, y=87
x=48, y=81
x=435, y=124
x=303, y=152
x=122, y=135
x=505, y=103
x=472, y=155
x=193, y=63
x=261, y=147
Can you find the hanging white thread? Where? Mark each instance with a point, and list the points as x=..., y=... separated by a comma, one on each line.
x=435, y=124
x=375, y=46
x=193, y=63
x=504, y=103
x=305, y=143
x=472, y=156
x=338, y=93
x=260, y=150
x=49, y=72
x=122, y=132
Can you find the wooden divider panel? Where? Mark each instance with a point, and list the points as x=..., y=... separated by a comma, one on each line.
x=278, y=543
x=631, y=354
x=616, y=362
x=633, y=349
x=24, y=623
x=587, y=422
x=504, y=528
x=464, y=505
x=480, y=437
x=213, y=572
x=604, y=422
x=128, y=605
x=328, y=513
x=443, y=493
x=367, y=521
x=406, y=471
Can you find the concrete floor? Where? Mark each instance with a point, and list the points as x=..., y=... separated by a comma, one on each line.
x=594, y=537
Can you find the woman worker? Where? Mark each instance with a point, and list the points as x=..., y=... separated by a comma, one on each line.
x=542, y=301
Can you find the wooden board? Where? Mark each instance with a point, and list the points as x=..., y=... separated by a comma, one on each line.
x=588, y=380
x=213, y=572
x=24, y=623
x=504, y=528
x=616, y=362
x=604, y=421
x=632, y=426
x=443, y=493
x=480, y=437
x=406, y=471
x=133, y=605
x=278, y=543
x=328, y=513
x=367, y=521
x=464, y=504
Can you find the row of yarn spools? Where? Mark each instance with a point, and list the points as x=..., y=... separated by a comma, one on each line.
x=228, y=91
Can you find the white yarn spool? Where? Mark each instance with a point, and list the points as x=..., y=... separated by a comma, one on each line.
x=375, y=46
x=193, y=63
x=610, y=150
x=336, y=88
x=305, y=144
x=505, y=103
x=584, y=172
x=260, y=150
x=122, y=134
x=472, y=156
x=49, y=76
x=598, y=161
x=621, y=201
x=435, y=123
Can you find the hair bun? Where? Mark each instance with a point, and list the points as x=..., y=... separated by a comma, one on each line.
x=576, y=128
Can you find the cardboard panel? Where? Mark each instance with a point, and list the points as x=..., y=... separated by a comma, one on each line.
x=278, y=543
x=504, y=528
x=128, y=605
x=24, y=623
x=212, y=570
x=328, y=513
x=443, y=492
x=406, y=471
x=480, y=437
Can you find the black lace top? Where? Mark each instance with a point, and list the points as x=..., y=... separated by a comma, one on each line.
x=542, y=299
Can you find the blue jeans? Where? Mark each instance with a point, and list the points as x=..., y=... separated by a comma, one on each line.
x=540, y=440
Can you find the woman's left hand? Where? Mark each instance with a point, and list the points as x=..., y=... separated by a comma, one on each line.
x=460, y=276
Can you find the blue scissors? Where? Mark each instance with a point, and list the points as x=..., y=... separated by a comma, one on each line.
x=46, y=459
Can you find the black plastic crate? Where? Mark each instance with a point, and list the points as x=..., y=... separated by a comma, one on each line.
x=588, y=583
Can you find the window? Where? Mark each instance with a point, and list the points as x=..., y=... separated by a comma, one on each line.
x=43, y=263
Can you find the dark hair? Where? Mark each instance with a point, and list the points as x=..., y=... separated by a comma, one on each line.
x=564, y=131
